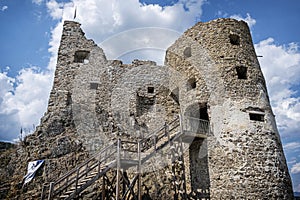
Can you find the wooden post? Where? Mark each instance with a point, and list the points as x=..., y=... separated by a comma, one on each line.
x=182, y=156
x=139, y=172
x=103, y=187
x=99, y=164
x=50, y=191
x=118, y=170
x=76, y=183
x=43, y=191
x=181, y=123
x=183, y=170
x=167, y=133
x=154, y=140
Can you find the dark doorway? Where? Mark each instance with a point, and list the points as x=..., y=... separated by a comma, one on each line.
x=199, y=172
x=203, y=112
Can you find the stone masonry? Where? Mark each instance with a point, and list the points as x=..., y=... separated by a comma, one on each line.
x=211, y=72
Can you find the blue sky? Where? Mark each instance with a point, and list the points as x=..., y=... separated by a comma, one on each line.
x=31, y=30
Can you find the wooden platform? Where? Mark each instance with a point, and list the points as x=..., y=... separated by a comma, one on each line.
x=188, y=136
x=127, y=163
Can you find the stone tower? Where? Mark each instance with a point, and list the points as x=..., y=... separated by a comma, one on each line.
x=245, y=157
x=210, y=73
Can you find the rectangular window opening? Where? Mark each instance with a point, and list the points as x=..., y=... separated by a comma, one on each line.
x=81, y=56
x=257, y=117
x=241, y=72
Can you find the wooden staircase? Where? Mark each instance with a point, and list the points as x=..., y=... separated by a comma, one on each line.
x=123, y=154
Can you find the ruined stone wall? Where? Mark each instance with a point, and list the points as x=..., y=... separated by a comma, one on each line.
x=211, y=72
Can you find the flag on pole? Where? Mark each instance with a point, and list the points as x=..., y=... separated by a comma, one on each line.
x=32, y=167
x=75, y=12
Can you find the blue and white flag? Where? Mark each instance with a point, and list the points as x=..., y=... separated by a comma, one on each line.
x=32, y=167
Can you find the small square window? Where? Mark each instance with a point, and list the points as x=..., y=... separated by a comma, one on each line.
x=234, y=39
x=151, y=90
x=93, y=86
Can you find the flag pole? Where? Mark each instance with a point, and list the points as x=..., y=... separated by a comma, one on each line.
x=75, y=12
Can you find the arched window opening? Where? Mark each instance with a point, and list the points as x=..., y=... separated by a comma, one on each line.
x=187, y=52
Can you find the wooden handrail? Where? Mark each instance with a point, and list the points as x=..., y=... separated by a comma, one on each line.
x=156, y=140
x=74, y=175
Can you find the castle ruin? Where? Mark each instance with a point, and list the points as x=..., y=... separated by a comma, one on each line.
x=198, y=127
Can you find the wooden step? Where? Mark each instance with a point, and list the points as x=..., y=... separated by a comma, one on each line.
x=94, y=173
x=87, y=177
x=63, y=196
x=69, y=192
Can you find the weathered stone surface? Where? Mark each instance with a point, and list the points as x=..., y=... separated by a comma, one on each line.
x=211, y=72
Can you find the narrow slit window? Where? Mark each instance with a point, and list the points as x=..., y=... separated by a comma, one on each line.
x=81, y=56
x=257, y=117
x=175, y=95
x=241, y=72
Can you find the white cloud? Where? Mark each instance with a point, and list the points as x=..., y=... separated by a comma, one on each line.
x=293, y=161
x=281, y=67
x=4, y=8
x=55, y=9
x=297, y=188
x=250, y=21
x=6, y=84
x=291, y=146
x=295, y=168
x=103, y=19
x=149, y=43
x=24, y=104
x=38, y=2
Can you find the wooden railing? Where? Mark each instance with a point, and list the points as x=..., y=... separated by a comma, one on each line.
x=98, y=163
x=195, y=125
x=116, y=154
